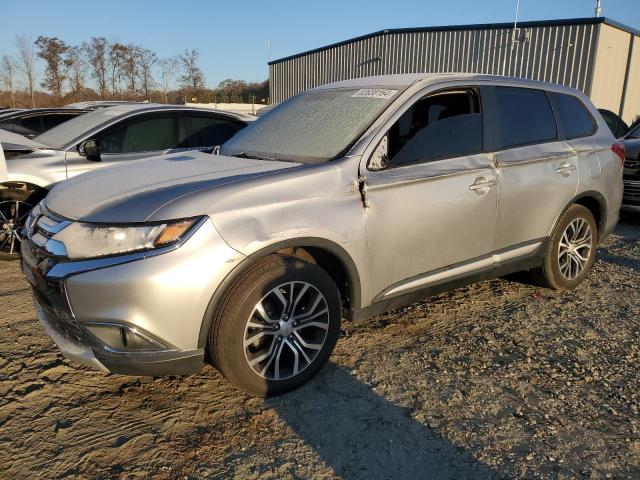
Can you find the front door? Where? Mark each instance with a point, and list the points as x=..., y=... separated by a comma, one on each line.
x=432, y=206
x=144, y=136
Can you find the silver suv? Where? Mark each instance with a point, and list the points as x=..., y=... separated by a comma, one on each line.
x=345, y=201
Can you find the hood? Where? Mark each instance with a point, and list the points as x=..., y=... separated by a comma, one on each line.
x=15, y=141
x=632, y=147
x=132, y=192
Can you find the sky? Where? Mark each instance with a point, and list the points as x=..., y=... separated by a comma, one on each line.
x=232, y=36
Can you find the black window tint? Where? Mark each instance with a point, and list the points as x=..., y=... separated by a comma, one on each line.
x=50, y=121
x=209, y=131
x=523, y=116
x=33, y=124
x=440, y=126
x=144, y=135
x=574, y=119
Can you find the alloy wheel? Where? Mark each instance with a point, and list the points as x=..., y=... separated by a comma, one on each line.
x=575, y=247
x=13, y=214
x=286, y=330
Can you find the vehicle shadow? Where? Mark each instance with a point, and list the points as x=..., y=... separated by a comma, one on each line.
x=361, y=435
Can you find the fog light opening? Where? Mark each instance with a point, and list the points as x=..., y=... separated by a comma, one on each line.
x=123, y=338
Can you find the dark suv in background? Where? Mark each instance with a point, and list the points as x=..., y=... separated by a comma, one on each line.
x=31, y=123
x=631, y=198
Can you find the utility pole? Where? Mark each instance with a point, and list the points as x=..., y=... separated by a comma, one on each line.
x=515, y=27
x=598, y=8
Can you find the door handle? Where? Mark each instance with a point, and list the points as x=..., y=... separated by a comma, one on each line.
x=482, y=183
x=565, y=168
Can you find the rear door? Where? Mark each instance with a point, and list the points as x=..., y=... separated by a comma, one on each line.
x=538, y=168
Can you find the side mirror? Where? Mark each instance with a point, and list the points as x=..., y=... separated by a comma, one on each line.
x=380, y=158
x=90, y=149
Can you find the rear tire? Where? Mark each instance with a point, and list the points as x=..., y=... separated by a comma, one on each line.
x=15, y=205
x=276, y=325
x=570, y=251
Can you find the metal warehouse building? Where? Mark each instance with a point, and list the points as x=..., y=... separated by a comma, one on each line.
x=596, y=55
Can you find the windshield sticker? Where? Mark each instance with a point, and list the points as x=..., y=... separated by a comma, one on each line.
x=374, y=93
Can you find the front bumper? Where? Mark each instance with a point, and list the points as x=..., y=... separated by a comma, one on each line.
x=162, y=296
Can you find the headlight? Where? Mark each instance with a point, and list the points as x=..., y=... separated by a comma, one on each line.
x=84, y=240
x=35, y=213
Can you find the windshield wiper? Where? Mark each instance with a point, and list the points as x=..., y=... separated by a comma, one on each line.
x=254, y=157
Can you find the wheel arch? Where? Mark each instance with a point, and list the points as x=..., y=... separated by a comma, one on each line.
x=330, y=256
x=595, y=203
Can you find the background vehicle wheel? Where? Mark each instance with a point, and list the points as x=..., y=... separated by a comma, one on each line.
x=15, y=205
x=276, y=325
x=570, y=252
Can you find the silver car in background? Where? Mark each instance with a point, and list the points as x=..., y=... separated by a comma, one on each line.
x=105, y=136
x=345, y=201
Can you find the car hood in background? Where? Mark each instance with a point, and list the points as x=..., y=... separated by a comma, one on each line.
x=15, y=141
x=3, y=167
x=632, y=147
x=132, y=192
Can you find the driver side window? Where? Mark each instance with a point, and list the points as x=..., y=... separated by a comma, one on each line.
x=144, y=135
x=442, y=125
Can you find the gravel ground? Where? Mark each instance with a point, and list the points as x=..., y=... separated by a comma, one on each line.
x=497, y=380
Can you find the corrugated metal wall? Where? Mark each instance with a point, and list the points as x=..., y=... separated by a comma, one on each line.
x=560, y=54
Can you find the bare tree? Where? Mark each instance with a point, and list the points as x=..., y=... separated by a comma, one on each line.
x=192, y=77
x=130, y=55
x=98, y=56
x=76, y=66
x=146, y=60
x=52, y=50
x=168, y=70
x=27, y=58
x=117, y=61
x=8, y=65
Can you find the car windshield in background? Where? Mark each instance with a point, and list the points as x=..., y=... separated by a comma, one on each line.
x=312, y=127
x=635, y=133
x=65, y=133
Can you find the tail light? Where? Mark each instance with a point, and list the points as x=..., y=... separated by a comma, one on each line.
x=619, y=150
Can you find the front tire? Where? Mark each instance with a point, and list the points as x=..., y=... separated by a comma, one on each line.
x=570, y=252
x=276, y=325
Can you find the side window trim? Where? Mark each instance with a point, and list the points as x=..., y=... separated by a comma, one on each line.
x=475, y=89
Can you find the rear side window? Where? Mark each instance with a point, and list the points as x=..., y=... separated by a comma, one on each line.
x=209, y=131
x=34, y=124
x=574, y=120
x=50, y=121
x=523, y=116
x=144, y=135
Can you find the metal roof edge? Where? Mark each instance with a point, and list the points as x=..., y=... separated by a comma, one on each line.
x=476, y=26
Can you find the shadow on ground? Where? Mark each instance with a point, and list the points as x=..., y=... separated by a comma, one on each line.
x=360, y=435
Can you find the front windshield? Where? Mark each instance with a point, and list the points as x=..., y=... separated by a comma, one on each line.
x=312, y=127
x=68, y=131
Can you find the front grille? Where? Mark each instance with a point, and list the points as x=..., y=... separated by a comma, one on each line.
x=632, y=163
x=632, y=192
x=41, y=250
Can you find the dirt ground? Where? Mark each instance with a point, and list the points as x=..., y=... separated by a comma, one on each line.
x=497, y=380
